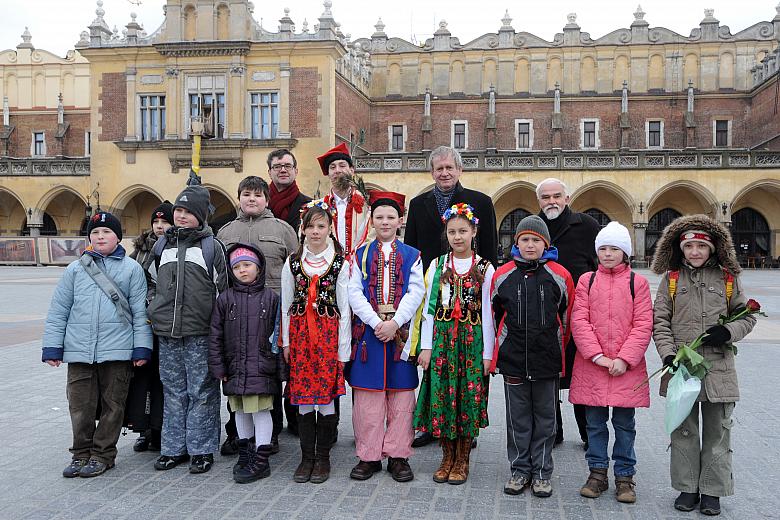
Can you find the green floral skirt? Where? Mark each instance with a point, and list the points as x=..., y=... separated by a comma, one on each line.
x=453, y=394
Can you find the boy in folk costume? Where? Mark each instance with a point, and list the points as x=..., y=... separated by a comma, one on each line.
x=700, y=282
x=352, y=221
x=386, y=288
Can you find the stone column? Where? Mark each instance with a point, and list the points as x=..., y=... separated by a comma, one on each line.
x=130, y=76
x=173, y=100
x=639, y=244
x=284, y=101
x=236, y=102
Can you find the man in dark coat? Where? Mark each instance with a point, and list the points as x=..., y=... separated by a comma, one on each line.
x=285, y=198
x=574, y=234
x=425, y=229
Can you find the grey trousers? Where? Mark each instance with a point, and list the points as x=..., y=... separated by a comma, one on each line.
x=191, y=404
x=530, y=426
x=703, y=464
x=89, y=384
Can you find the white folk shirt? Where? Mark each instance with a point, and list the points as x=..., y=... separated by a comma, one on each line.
x=342, y=296
x=462, y=266
x=341, y=218
x=409, y=303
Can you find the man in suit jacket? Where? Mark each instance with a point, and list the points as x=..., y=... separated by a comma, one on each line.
x=425, y=229
x=285, y=198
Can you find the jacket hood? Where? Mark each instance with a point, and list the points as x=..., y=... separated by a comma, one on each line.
x=260, y=283
x=145, y=241
x=175, y=233
x=668, y=255
x=246, y=218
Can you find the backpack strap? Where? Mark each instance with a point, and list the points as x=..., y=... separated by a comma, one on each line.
x=592, y=279
x=108, y=286
x=157, y=250
x=631, y=284
x=207, y=247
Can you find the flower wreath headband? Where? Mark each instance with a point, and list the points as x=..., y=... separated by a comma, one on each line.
x=318, y=203
x=460, y=209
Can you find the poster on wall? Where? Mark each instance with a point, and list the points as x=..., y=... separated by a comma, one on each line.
x=66, y=250
x=17, y=251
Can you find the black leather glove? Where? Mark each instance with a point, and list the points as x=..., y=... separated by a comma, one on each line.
x=716, y=336
x=668, y=361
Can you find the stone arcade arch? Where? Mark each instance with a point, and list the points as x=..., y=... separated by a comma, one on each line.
x=224, y=208
x=66, y=207
x=134, y=208
x=763, y=197
x=513, y=202
x=610, y=199
x=12, y=213
x=685, y=197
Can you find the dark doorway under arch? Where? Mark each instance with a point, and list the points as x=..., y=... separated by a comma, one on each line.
x=750, y=233
x=49, y=228
x=601, y=217
x=656, y=226
x=506, y=233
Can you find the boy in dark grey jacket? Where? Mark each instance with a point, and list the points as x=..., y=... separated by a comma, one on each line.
x=188, y=273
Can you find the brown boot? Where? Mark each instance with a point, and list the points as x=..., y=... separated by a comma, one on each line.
x=307, y=433
x=624, y=489
x=596, y=484
x=326, y=432
x=460, y=470
x=447, y=460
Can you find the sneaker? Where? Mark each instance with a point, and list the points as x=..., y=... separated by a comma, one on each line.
x=516, y=484
x=166, y=462
x=201, y=463
x=229, y=447
x=94, y=467
x=686, y=501
x=710, y=505
x=74, y=468
x=541, y=487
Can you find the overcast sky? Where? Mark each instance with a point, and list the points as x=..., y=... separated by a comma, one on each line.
x=55, y=24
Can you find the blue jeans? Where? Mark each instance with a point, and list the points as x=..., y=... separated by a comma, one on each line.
x=623, y=454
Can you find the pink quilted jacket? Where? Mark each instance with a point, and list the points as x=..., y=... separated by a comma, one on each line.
x=606, y=321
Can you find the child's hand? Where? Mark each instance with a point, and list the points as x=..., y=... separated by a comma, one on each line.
x=224, y=379
x=605, y=362
x=486, y=366
x=139, y=362
x=618, y=367
x=287, y=354
x=53, y=362
x=424, y=359
x=386, y=330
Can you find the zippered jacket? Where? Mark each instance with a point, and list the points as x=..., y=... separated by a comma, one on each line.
x=183, y=294
x=532, y=303
x=83, y=325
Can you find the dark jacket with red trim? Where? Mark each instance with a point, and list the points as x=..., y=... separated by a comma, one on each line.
x=532, y=303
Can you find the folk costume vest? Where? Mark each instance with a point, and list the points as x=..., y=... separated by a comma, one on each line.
x=376, y=365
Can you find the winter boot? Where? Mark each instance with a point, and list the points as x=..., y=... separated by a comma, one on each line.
x=686, y=501
x=244, y=451
x=326, y=432
x=624, y=489
x=596, y=484
x=460, y=469
x=710, y=505
x=256, y=468
x=442, y=474
x=307, y=434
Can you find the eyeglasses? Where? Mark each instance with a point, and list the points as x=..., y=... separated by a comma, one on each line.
x=280, y=167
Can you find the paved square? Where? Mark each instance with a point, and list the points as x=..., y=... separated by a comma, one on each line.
x=35, y=435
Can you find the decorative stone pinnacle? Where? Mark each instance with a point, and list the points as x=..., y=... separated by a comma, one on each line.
x=26, y=36
x=777, y=8
x=327, y=4
x=305, y=26
x=443, y=25
x=133, y=16
x=380, y=26
x=557, y=85
x=286, y=11
x=507, y=20
x=100, y=11
x=571, y=18
x=709, y=13
x=639, y=14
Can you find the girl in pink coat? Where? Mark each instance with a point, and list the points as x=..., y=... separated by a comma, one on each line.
x=612, y=323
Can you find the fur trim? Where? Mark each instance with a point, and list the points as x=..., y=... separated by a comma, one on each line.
x=668, y=255
x=145, y=241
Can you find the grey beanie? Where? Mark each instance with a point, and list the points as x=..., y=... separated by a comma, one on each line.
x=194, y=199
x=535, y=225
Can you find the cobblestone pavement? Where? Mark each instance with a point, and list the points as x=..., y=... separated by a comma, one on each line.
x=35, y=435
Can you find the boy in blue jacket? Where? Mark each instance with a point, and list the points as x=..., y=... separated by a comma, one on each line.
x=100, y=338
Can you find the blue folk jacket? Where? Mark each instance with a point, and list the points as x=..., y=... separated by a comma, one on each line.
x=83, y=325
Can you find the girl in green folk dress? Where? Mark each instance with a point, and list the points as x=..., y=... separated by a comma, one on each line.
x=456, y=346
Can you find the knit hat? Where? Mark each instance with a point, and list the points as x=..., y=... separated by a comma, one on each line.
x=534, y=225
x=242, y=254
x=696, y=235
x=194, y=199
x=107, y=220
x=615, y=234
x=163, y=211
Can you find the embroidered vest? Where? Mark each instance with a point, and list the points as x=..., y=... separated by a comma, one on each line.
x=466, y=288
x=326, y=304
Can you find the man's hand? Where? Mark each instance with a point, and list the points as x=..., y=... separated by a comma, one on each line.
x=287, y=354
x=53, y=362
x=386, y=330
x=424, y=359
x=486, y=366
x=618, y=367
x=605, y=362
x=139, y=362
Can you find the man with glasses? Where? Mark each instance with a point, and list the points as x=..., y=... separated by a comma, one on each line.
x=286, y=199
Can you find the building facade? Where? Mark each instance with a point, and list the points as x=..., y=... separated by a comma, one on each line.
x=643, y=124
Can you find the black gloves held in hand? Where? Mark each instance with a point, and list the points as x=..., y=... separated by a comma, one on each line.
x=716, y=336
x=668, y=361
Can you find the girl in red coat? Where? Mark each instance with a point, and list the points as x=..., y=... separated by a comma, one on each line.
x=612, y=323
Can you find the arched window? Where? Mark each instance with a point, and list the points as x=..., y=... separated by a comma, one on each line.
x=506, y=233
x=599, y=215
x=750, y=232
x=656, y=226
